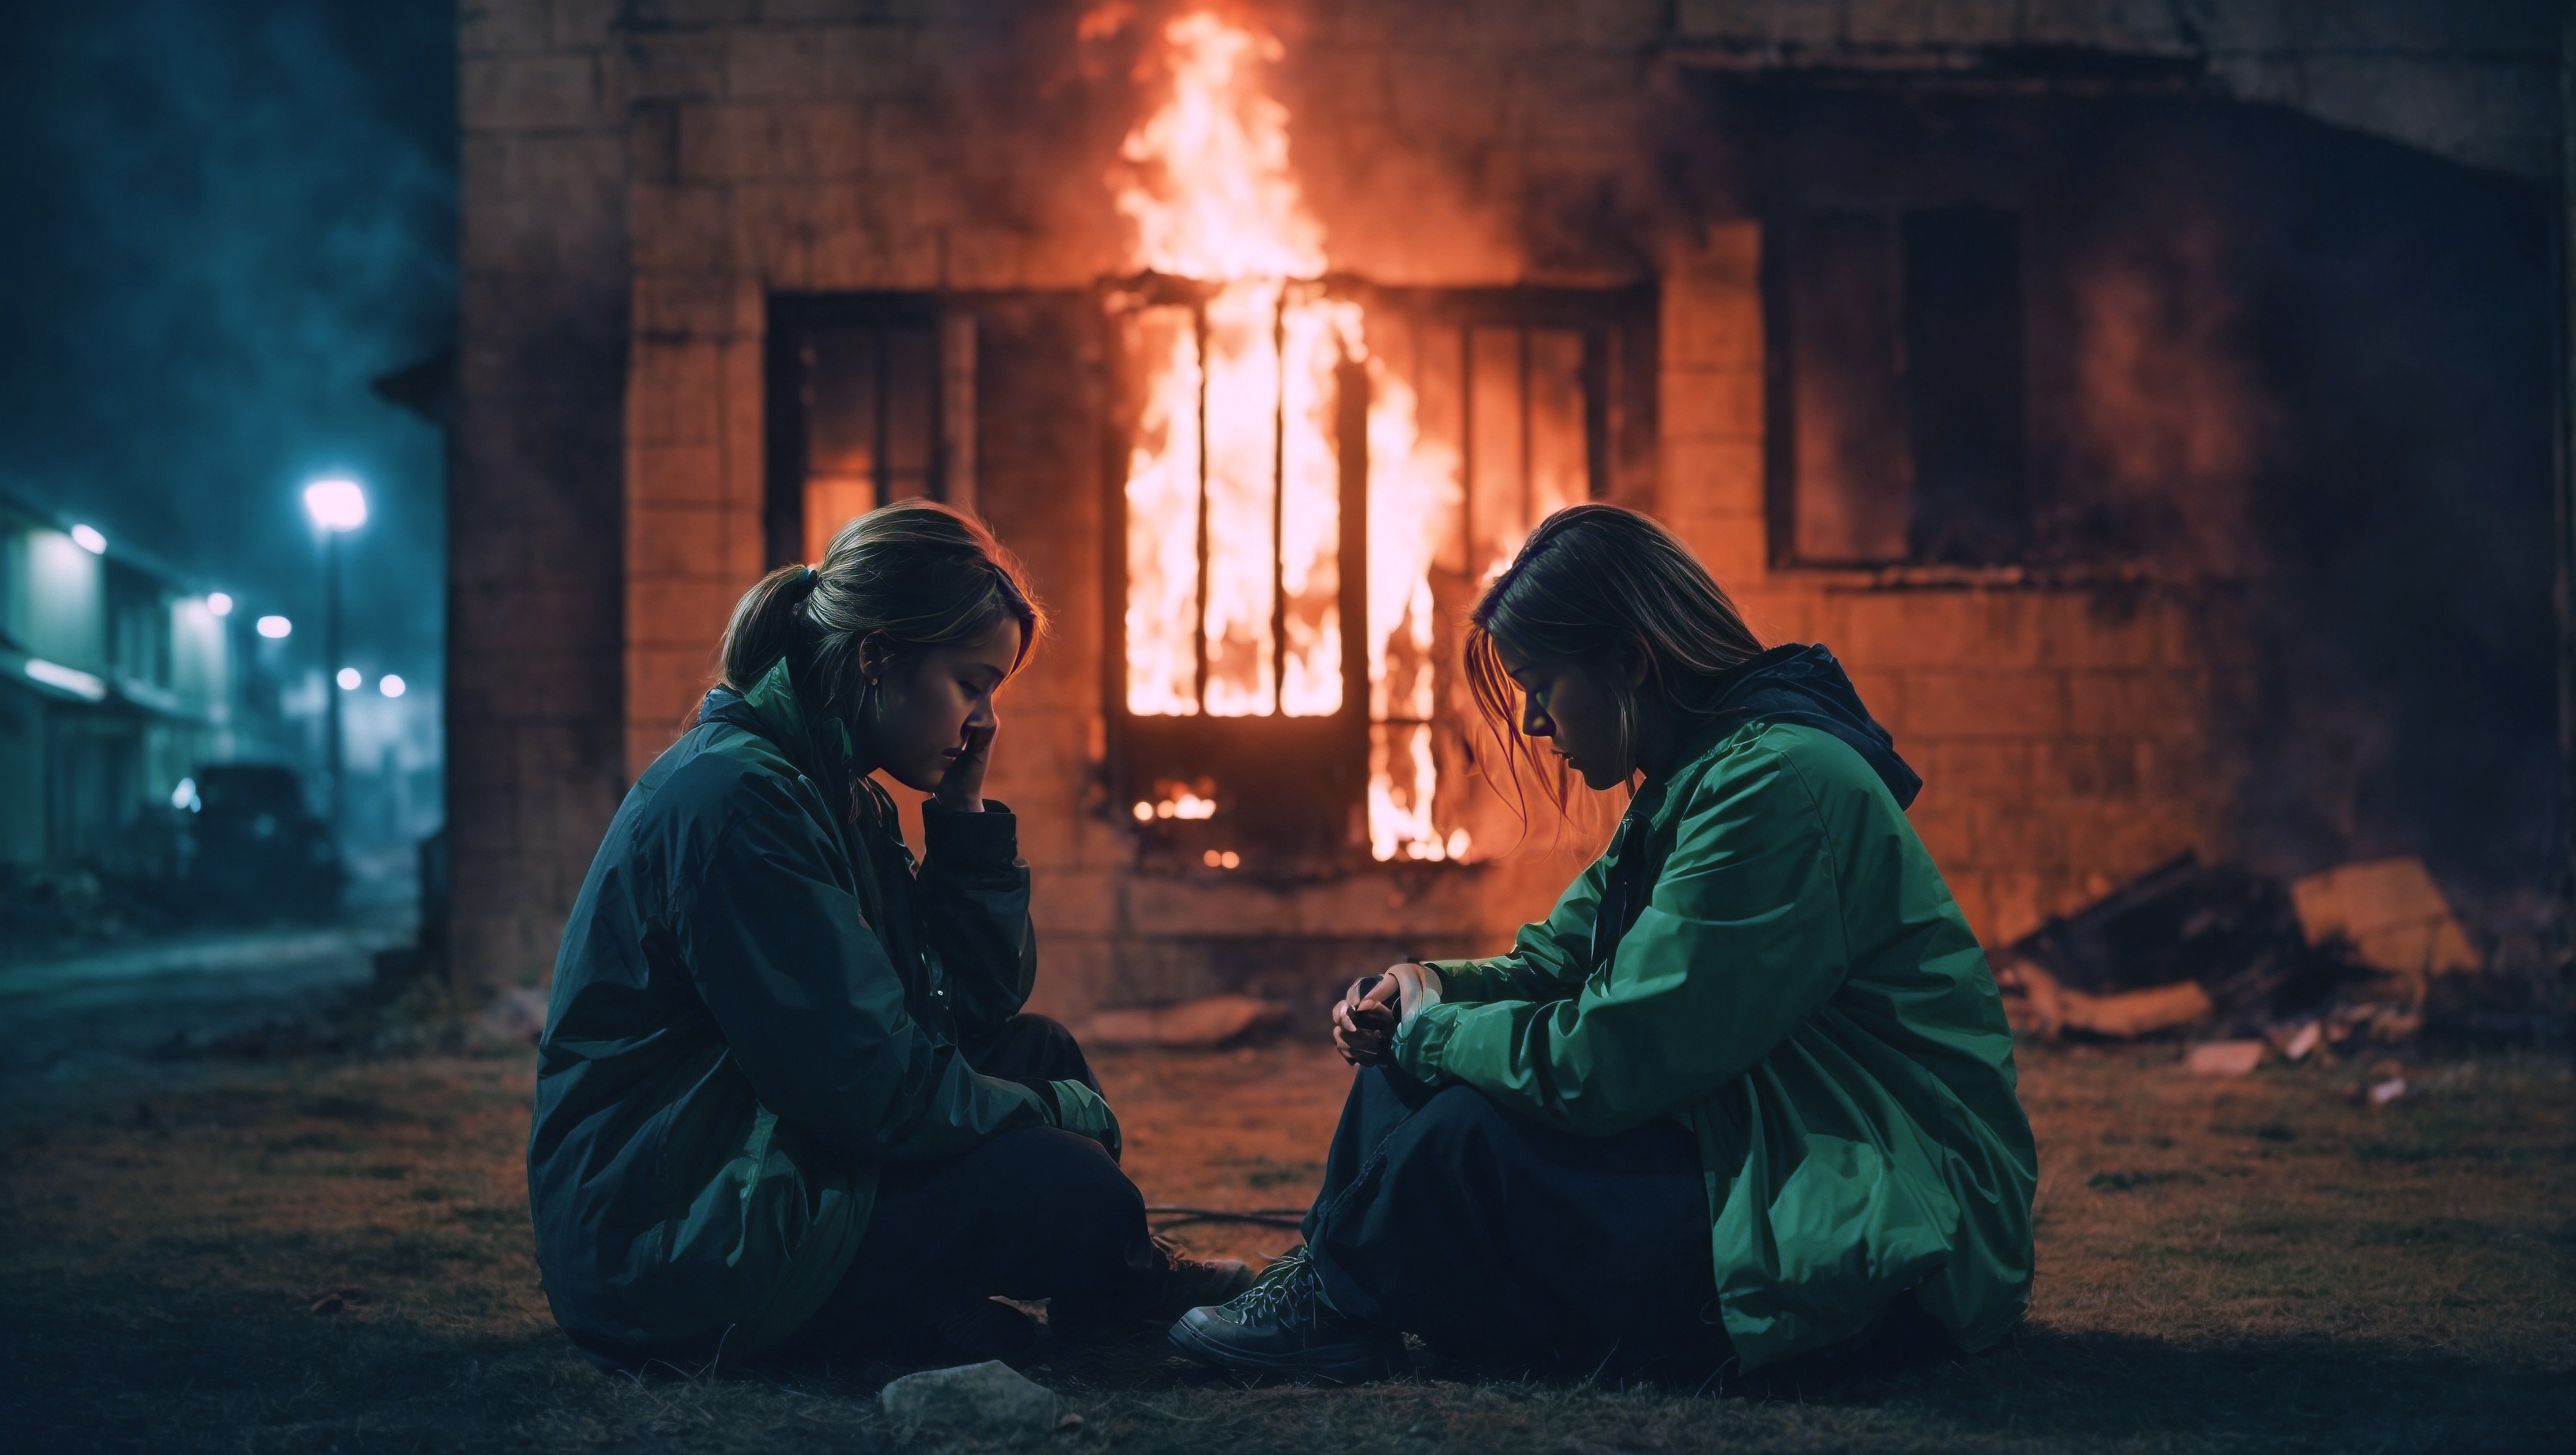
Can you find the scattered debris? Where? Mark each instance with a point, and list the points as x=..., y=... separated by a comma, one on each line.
x=972, y=1405
x=2050, y=1009
x=2391, y=915
x=2297, y=1043
x=1217, y=1020
x=2352, y=952
x=2224, y=1058
x=2384, y=1092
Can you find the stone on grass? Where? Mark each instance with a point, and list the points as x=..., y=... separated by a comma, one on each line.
x=971, y=1405
x=2224, y=1058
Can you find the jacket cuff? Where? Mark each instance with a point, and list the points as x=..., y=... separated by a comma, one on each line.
x=1419, y=1046
x=1462, y=981
x=990, y=838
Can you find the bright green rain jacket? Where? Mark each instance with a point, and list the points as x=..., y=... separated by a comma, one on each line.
x=1800, y=990
x=757, y=1004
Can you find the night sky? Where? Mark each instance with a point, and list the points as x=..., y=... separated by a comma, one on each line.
x=222, y=221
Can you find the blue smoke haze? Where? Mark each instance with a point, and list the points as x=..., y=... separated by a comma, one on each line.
x=223, y=218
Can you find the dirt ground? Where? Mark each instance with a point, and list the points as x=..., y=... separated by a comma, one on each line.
x=325, y=1257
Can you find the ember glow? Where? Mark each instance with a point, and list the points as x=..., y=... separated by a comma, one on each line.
x=1234, y=479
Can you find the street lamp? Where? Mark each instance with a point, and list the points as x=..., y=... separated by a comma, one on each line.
x=338, y=507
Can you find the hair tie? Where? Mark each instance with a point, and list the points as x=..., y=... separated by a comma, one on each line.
x=811, y=578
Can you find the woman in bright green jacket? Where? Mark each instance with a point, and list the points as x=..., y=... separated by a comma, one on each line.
x=1747, y=1087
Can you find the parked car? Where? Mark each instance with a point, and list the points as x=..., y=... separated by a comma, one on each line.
x=250, y=850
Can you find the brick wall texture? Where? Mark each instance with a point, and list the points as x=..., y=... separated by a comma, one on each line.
x=640, y=178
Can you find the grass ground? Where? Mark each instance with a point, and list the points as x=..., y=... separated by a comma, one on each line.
x=336, y=1257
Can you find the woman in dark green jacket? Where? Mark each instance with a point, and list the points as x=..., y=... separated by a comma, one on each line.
x=785, y=1090
x=1748, y=1087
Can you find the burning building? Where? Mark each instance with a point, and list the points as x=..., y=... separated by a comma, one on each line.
x=2151, y=405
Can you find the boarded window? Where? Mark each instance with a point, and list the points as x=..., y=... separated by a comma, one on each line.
x=1903, y=438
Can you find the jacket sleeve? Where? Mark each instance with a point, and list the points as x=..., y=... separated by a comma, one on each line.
x=1741, y=941
x=810, y=1004
x=1545, y=958
x=974, y=899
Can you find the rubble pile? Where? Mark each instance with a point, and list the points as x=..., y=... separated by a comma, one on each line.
x=2248, y=965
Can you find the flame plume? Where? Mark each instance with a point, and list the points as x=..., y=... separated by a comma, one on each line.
x=1236, y=458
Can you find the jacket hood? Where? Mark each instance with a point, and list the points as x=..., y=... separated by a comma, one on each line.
x=1805, y=685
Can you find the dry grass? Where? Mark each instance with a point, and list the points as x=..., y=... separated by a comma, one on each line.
x=336, y=1258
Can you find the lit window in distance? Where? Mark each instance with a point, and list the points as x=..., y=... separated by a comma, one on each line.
x=275, y=628
x=218, y=603
x=349, y=679
x=392, y=686
x=88, y=539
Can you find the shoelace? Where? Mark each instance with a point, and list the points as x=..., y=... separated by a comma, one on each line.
x=1281, y=1289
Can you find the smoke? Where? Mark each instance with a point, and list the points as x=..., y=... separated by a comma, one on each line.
x=224, y=221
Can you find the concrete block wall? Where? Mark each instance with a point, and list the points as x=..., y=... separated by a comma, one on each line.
x=2069, y=736
x=536, y=757
x=771, y=154
x=641, y=177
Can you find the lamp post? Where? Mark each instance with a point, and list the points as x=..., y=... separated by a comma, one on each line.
x=338, y=507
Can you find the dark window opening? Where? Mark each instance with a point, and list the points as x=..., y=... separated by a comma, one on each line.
x=871, y=400
x=1899, y=434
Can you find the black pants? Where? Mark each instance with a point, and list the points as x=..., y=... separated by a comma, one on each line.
x=1033, y=1214
x=1500, y=1240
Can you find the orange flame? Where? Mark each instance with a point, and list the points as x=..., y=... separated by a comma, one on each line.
x=1256, y=628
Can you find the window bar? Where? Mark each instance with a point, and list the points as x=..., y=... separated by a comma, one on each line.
x=1529, y=482
x=1279, y=505
x=1596, y=413
x=1467, y=455
x=881, y=474
x=1198, y=626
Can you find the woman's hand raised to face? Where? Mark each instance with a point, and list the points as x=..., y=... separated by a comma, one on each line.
x=962, y=786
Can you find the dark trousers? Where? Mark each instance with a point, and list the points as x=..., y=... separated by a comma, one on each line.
x=1500, y=1240
x=1032, y=1214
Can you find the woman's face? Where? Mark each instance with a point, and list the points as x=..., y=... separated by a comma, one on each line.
x=1571, y=706
x=927, y=711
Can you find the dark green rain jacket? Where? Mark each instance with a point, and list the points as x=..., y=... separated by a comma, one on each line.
x=1767, y=955
x=756, y=1005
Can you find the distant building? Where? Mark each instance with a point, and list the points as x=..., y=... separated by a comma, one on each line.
x=116, y=679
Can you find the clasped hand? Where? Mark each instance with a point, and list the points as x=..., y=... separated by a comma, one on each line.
x=1366, y=1020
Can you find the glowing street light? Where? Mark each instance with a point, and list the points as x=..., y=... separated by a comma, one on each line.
x=276, y=628
x=336, y=504
x=392, y=686
x=219, y=604
x=338, y=507
x=88, y=539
